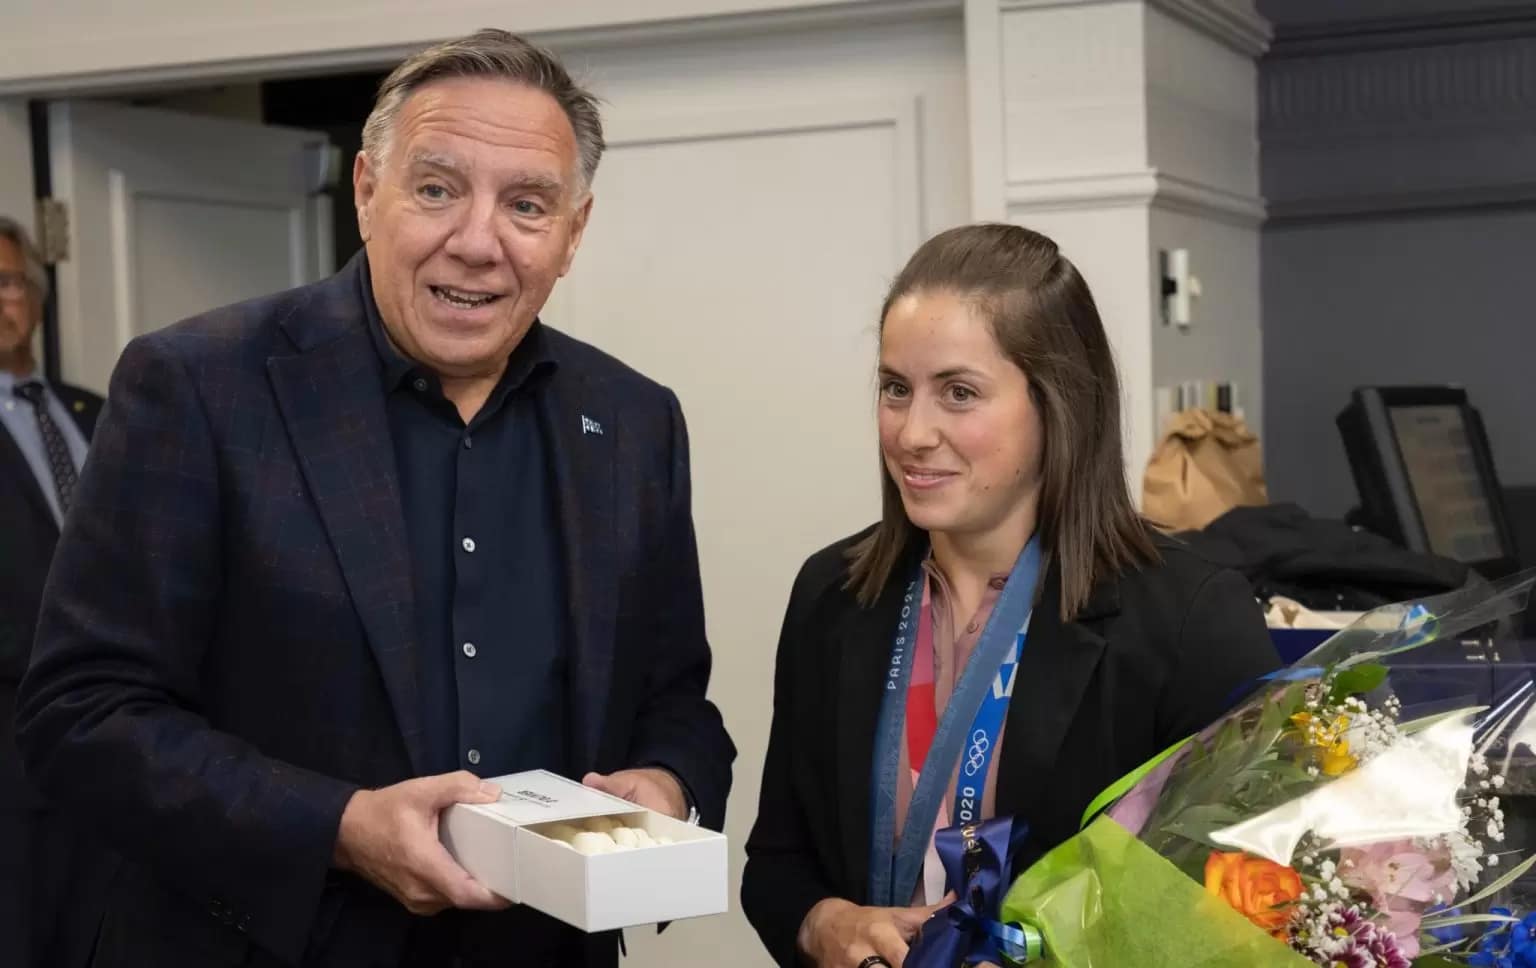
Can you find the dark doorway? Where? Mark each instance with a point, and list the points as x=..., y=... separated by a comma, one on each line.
x=338, y=105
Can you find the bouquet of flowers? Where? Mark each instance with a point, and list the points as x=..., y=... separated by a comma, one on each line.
x=1330, y=819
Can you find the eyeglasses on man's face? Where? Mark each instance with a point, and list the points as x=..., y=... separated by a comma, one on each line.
x=13, y=284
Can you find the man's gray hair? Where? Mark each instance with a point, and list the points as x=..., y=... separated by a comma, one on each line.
x=494, y=54
x=37, y=270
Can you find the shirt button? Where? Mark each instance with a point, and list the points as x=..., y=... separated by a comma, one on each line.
x=469, y=545
x=420, y=385
x=473, y=756
x=468, y=442
x=469, y=649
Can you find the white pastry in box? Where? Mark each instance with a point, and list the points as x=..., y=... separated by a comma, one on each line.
x=521, y=848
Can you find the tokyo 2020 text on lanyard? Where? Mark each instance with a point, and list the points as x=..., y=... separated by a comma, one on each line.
x=980, y=698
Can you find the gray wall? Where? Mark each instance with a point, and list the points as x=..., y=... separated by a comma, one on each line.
x=1224, y=342
x=1433, y=299
x=1399, y=160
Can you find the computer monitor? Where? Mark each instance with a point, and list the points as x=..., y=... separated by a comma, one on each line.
x=1425, y=475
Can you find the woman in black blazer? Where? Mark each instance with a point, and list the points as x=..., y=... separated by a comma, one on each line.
x=1004, y=502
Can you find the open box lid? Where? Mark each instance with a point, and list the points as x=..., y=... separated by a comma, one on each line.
x=539, y=796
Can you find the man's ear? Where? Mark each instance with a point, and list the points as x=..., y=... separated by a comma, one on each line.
x=578, y=229
x=365, y=187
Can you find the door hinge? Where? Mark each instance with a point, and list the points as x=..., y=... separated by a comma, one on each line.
x=52, y=230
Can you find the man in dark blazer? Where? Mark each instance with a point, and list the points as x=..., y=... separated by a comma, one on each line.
x=49, y=888
x=342, y=550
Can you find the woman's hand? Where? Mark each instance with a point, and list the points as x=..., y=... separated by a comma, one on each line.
x=840, y=934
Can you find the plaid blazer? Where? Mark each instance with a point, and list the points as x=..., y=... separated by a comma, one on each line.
x=225, y=651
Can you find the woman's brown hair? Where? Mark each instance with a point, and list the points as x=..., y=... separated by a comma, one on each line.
x=1044, y=319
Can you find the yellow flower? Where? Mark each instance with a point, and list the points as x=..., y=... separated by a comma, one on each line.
x=1325, y=742
x=1337, y=759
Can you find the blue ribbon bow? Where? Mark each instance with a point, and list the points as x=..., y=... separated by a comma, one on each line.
x=978, y=866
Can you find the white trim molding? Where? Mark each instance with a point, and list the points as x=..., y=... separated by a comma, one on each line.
x=1148, y=187
x=327, y=39
x=1235, y=23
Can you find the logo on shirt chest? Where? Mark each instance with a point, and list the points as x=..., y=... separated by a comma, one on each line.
x=590, y=426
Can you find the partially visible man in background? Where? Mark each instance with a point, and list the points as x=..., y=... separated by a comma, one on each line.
x=46, y=904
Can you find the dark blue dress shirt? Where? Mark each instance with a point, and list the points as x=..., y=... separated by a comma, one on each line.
x=486, y=563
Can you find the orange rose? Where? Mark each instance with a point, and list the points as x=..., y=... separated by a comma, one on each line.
x=1254, y=887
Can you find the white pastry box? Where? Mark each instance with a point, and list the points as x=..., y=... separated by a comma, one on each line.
x=507, y=847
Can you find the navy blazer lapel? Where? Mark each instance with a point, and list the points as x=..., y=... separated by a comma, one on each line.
x=13, y=463
x=579, y=432
x=332, y=403
x=1055, y=671
x=83, y=408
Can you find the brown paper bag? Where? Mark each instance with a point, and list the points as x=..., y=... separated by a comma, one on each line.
x=1206, y=464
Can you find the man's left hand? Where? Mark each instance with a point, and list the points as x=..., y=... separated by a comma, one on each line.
x=651, y=787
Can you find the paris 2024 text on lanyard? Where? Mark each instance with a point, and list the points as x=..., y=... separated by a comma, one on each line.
x=980, y=698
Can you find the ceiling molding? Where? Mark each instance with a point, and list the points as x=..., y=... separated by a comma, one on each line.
x=1235, y=23
x=1468, y=23
x=1437, y=201
x=1452, y=90
x=1147, y=187
x=151, y=78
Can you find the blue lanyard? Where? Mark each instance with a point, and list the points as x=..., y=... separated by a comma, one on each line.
x=982, y=742
x=980, y=697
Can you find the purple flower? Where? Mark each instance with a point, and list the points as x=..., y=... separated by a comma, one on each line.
x=1353, y=942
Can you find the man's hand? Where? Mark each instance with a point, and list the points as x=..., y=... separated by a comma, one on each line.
x=389, y=837
x=652, y=787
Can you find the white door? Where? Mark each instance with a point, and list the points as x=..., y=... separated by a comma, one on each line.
x=173, y=214
x=757, y=198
